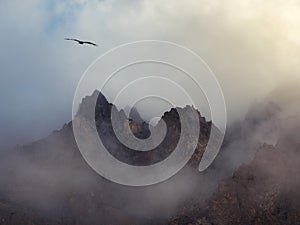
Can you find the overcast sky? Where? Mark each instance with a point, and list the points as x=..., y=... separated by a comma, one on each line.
x=252, y=47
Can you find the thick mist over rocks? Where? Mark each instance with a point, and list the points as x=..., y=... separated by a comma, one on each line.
x=270, y=120
x=51, y=180
x=252, y=47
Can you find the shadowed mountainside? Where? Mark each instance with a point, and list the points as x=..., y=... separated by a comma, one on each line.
x=51, y=178
x=48, y=181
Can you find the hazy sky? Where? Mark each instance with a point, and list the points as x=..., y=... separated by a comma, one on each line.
x=252, y=47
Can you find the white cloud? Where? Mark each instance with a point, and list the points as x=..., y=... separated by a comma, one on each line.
x=252, y=46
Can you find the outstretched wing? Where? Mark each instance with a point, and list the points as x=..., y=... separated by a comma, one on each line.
x=72, y=39
x=90, y=43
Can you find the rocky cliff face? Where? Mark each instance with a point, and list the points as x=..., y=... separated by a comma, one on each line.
x=260, y=193
x=141, y=129
x=50, y=177
x=48, y=182
x=265, y=191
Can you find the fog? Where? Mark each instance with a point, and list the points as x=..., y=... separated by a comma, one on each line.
x=51, y=178
x=252, y=47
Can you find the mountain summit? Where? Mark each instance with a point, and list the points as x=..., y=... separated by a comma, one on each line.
x=49, y=182
x=51, y=178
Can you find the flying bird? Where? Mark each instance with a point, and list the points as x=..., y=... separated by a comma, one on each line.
x=81, y=42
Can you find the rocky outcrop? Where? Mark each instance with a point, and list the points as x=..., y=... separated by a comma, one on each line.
x=265, y=191
x=51, y=177
x=259, y=193
x=48, y=181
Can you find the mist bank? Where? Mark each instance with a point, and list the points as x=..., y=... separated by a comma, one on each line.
x=251, y=47
x=51, y=179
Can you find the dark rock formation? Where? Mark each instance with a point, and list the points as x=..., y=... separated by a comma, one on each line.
x=266, y=191
x=51, y=178
x=48, y=181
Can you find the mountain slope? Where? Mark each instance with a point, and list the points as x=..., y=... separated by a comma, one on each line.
x=51, y=177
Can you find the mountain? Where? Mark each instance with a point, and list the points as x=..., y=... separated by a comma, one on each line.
x=264, y=187
x=266, y=191
x=51, y=178
x=49, y=182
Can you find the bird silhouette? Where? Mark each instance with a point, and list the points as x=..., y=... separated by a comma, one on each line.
x=81, y=42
